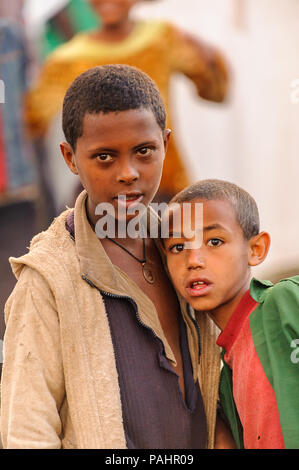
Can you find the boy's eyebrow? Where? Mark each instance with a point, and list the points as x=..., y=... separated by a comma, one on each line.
x=102, y=149
x=108, y=149
x=172, y=234
x=213, y=227
x=144, y=144
x=208, y=228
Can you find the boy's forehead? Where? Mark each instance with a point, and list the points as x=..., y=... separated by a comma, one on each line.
x=141, y=112
x=200, y=214
x=142, y=119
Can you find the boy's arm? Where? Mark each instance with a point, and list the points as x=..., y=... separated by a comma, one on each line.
x=202, y=63
x=44, y=99
x=223, y=436
x=32, y=388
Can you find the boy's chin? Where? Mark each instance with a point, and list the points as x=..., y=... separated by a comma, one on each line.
x=202, y=305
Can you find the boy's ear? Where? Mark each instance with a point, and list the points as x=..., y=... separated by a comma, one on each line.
x=69, y=156
x=167, y=134
x=258, y=248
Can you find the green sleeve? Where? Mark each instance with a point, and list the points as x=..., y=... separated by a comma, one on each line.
x=275, y=329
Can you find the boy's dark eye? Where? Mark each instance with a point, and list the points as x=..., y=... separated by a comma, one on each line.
x=104, y=157
x=144, y=151
x=215, y=242
x=176, y=248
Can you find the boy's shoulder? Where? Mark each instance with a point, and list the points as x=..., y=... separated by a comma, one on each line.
x=263, y=290
x=68, y=49
x=278, y=311
x=83, y=46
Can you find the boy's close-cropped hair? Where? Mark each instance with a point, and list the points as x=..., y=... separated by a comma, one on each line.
x=105, y=89
x=244, y=205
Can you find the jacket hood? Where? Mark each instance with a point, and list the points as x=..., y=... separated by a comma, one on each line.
x=44, y=244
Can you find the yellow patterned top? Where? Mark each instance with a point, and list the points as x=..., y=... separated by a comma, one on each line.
x=157, y=48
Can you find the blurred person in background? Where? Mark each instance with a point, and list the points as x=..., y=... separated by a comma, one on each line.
x=157, y=47
x=12, y=9
x=20, y=197
x=73, y=17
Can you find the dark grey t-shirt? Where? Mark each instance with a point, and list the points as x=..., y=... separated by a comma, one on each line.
x=155, y=414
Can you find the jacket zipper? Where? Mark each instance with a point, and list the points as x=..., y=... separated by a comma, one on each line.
x=126, y=297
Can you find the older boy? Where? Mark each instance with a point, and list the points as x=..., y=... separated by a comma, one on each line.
x=259, y=321
x=99, y=351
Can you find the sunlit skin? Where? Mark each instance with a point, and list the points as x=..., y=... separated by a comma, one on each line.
x=116, y=22
x=220, y=267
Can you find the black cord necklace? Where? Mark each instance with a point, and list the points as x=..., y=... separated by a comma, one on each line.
x=146, y=270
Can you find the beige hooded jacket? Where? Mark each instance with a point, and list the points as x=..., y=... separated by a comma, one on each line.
x=59, y=382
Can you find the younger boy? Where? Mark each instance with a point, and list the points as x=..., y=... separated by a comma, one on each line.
x=259, y=321
x=99, y=351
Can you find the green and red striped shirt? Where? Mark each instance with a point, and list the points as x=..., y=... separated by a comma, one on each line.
x=253, y=394
x=259, y=387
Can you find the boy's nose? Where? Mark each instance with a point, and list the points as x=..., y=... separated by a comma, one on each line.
x=195, y=259
x=127, y=174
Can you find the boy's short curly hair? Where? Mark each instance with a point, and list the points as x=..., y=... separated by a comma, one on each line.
x=244, y=205
x=105, y=89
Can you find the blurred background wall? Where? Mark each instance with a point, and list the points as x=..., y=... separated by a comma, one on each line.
x=254, y=140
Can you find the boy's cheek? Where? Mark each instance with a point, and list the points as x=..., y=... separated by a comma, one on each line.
x=175, y=277
x=170, y=268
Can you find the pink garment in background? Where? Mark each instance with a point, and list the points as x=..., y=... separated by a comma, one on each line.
x=11, y=9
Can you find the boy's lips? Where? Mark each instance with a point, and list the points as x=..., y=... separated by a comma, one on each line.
x=129, y=198
x=198, y=286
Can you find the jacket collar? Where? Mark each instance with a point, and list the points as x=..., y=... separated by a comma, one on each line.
x=94, y=262
x=259, y=289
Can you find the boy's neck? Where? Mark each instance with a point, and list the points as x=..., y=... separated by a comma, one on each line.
x=222, y=314
x=119, y=228
x=115, y=33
